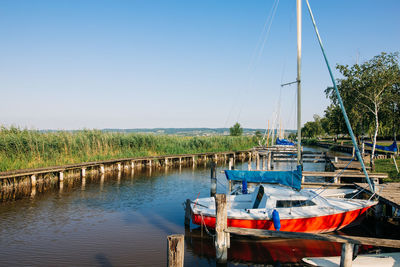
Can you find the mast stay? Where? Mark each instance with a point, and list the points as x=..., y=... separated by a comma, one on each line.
x=353, y=139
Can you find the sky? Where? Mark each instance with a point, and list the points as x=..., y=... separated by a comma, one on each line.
x=73, y=64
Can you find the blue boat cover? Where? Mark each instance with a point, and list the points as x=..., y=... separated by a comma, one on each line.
x=284, y=142
x=392, y=147
x=288, y=178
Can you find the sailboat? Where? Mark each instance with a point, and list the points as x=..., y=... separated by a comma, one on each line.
x=278, y=202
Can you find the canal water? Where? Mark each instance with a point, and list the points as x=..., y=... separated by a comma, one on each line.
x=124, y=220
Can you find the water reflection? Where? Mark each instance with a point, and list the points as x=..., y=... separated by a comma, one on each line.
x=122, y=219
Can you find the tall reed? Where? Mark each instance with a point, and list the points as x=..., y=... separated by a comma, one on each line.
x=20, y=149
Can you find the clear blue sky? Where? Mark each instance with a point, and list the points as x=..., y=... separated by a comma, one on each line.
x=133, y=64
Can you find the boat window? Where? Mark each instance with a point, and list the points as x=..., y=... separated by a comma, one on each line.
x=293, y=203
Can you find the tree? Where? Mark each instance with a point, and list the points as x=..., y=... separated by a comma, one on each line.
x=236, y=130
x=312, y=128
x=367, y=88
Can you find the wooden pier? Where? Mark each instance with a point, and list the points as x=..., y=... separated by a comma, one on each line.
x=34, y=177
x=388, y=196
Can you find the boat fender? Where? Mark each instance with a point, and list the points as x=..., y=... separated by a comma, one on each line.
x=276, y=220
x=244, y=187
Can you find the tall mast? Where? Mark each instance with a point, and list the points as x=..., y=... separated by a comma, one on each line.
x=298, y=5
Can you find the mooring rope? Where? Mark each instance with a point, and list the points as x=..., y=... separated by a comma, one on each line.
x=205, y=226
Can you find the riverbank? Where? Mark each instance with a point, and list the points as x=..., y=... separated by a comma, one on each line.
x=387, y=166
x=27, y=149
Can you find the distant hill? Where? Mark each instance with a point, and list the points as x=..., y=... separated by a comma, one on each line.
x=188, y=131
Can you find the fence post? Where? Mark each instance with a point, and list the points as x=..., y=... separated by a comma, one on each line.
x=346, y=258
x=221, y=240
x=175, y=250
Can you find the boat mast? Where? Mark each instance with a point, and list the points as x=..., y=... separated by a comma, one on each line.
x=298, y=5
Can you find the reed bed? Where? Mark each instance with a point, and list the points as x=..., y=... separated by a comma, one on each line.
x=22, y=149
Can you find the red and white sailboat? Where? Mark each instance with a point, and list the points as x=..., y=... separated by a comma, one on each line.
x=278, y=202
x=299, y=211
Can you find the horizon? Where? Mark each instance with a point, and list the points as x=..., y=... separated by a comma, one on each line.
x=150, y=64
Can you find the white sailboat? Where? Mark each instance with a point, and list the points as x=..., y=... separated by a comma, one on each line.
x=278, y=203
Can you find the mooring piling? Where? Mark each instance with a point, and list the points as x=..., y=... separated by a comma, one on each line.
x=346, y=259
x=188, y=213
x=213, y=189
x=176, y=250
x=221, y=239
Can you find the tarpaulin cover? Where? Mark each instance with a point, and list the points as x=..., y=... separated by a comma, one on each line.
x=392, y=147
x=284, y=142
x=288, y=178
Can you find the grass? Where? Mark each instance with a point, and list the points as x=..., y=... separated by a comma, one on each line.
x=387, y=166
x=21, y=149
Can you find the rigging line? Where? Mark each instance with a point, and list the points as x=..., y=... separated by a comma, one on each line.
x=337, y=176
x=339, y=98
x=261, y=50
x=251, y=64
x=262, y=35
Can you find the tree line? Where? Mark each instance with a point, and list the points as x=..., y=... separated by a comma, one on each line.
x=371, y=96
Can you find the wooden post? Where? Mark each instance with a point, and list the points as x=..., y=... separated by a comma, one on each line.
x=102, y=171
x=346, y=259
x=33, y=180
x=272, y=160
x=188, y=213
x=395, y=163
x=257, y=161
x=132, y=164
x=101, y=181
x=180, y=161
x=230, y=163
x=269, y=161
x=175, y=250
x=193, y=161
x=61, y=176
x=353, y=152
x=150, y=163
x=83, y=172
x=363, y=150
x=119, y=166
x=263, y=162
x=213, y=189
x=378, y=210
x=221, y=239
x=249, y=164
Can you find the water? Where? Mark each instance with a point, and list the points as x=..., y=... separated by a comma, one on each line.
x=123, y=220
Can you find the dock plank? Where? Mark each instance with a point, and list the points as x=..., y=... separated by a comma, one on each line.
x=388, y=193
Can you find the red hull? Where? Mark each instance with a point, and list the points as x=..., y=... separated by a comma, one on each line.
x=321, y=224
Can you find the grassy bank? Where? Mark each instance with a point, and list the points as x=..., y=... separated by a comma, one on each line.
x=20, y=149
x=387, y=165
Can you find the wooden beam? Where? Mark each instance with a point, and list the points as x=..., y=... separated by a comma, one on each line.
x=379, y=242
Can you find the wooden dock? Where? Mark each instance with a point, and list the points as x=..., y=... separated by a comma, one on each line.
x=388, y=194
x=32, y=177
x=350, y=175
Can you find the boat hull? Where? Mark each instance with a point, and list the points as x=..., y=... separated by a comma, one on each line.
x=318, y=224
